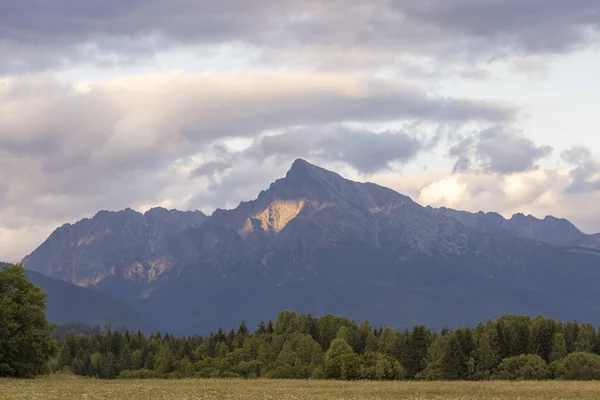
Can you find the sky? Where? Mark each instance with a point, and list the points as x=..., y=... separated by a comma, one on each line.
x=195, y=104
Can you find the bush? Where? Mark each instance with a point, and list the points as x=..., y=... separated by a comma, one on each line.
x=577, y=366
x=229, y=375
x=139, y=374
x=318, y=374
x=287, y=372
x=352, y=367
x=379, y=367
x=524, y=367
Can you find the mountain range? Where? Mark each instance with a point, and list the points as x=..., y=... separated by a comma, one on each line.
x=66, y=302
x=319, y=243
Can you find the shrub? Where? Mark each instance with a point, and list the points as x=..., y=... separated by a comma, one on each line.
x=524, y=367
x=229, y=375
x=139, y=374
x=380, y=367
x=287, y=372
x=577, y=366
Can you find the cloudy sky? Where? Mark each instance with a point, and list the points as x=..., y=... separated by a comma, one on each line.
x=197, y=104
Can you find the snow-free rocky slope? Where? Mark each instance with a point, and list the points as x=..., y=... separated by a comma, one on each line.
x=316, y=242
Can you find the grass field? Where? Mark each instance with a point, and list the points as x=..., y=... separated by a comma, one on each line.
x=68, y=388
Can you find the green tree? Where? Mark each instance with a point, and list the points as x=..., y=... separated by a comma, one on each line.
x=335, y=359
x=434, y=368
x=379, y=367
x=78, y=367
x=262, y=328
x=164, y=360
x=96, y=362
x=26, y=344
x=542, y=334
x=284, y=322
x=571, y=331
x=586, y=339
x=185, y=368
x=137, y=360
x=559, y=347
x=453, y=360
x=64, y=358
x=420, y=340
x=372, y=343
x=485, y=358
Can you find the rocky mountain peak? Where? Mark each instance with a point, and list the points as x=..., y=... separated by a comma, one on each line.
x=303, y=170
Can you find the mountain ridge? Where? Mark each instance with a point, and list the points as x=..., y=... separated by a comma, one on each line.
x=316, y=232
x=141, y=238
x=550, y=229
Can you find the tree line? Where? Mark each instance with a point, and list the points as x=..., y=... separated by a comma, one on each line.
x=295, y=346
x=299, y=346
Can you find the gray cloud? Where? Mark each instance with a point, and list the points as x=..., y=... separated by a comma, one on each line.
x=368, y=152
x=38, y=33
x=585, y=175
x=242, y=183
x=211, y=168
x=508, y=152
x=66, y=152
x=498, y=150
x=528, y=26
x=461, y=151
x=576, y=155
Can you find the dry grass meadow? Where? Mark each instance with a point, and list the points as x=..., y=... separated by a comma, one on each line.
x=67, y=388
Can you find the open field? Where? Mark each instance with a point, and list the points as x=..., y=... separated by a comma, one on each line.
x=68, y=388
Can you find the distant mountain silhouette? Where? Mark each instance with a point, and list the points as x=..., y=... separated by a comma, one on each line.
x=66, y=302
x=318, y=243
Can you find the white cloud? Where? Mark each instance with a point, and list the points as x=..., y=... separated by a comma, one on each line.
x=67, y=150
x=448, y=192
x=374, y=90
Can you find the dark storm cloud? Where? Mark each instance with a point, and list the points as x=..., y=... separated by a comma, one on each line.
x=498, y=150
x=38, y=33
